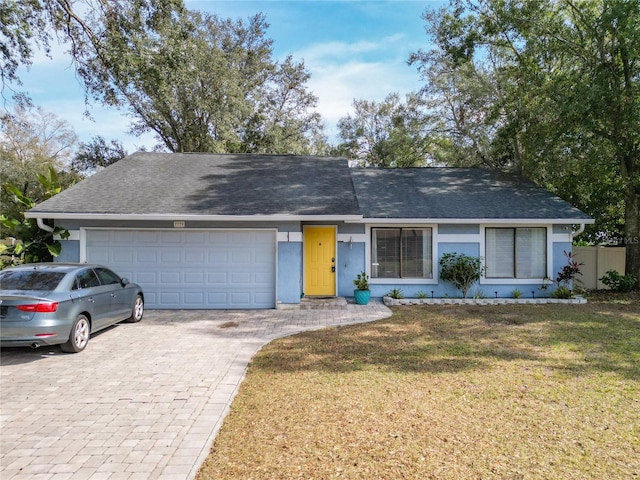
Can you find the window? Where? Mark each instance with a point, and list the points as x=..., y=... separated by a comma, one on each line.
x=30, y=280
x=107, y=277
x=516, y=252
x=87, y=279
x=401, y=253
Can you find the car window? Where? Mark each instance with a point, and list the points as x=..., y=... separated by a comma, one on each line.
x=87, y=278
x=30, y=280
x=107, y=277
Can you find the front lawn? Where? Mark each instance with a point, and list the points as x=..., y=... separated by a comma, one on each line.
x=445, y=392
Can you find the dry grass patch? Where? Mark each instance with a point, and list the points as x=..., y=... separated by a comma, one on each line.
x=509, y=392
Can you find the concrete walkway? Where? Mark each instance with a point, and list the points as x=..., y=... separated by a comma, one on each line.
x=143, y=401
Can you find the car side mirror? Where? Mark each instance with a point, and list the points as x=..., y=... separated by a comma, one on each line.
x=124, y=281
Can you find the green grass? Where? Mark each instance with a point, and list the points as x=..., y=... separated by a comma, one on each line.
x=447, y=392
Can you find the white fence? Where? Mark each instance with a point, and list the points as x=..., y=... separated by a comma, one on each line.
x=597, y=261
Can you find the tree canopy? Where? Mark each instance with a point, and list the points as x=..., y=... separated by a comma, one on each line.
x=199, y=82
x=548, y=89
x=33, y=141
x=390, y=133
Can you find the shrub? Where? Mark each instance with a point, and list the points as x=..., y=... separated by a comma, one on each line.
x=516, y=293
x=569, y=271
x=562, y=292
x=362, y=281
x=421, y=294
x=396, y=293
x=619, y=283
x=462, y=270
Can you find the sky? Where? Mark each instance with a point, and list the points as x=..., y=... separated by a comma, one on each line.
x=354, y=49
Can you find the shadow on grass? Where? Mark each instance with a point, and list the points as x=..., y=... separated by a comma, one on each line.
x=576, y=339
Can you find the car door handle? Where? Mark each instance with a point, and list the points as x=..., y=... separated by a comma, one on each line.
x=90, y=299
x=113, y=295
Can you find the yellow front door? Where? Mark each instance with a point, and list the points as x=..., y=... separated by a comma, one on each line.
x=320, y=261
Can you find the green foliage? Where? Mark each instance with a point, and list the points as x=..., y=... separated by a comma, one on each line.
x=362, y=281
x=421, y=294
x=396, y=293
x=391, y=133
x=548, y=90
x=462, y=270
x=478, y=293
x=31, y=141
x=199, y=82
x=619, y=283
x=206, y=84
x=516, y=293
x=33, y=244
x=562, y=292
x=97, y=154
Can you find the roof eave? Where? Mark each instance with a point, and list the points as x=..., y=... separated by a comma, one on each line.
x=493, y=221
x=191, y=217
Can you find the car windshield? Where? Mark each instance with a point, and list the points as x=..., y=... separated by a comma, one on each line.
x=30, y=280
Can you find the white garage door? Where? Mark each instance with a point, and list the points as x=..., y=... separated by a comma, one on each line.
x=192, y=268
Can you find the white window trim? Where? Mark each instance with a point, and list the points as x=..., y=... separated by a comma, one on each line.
x=403, y=281
x=516, y=281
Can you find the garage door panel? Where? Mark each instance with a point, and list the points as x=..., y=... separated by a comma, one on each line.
x=241, y=298
x=193, y=299
x=148, y=278
x=103, y=258
x=170, y=257
x=195, y=256
x=194, y=278
x=144, y=236
x=122, y=256
x=240, y=278
x=148, y=257
x=174, y=237
x=169, y=299
x=169, y=278
x=217, y=298
x=220, y=257
x=192, y=269
x=262, y=278
x=217, y=278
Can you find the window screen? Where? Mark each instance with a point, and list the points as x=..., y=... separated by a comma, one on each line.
x=401, y=253
x=516, y=252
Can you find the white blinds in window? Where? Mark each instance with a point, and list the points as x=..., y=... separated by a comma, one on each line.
x=531, y=254
x=385, y=253
x=500, y=253
x=401, y=253
x=416, y=253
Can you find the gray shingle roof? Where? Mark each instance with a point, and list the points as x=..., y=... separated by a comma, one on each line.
x=209, y=184
x=455, y=193
x=167, y=184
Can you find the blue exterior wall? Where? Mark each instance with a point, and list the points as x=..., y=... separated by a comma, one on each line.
x=458, y=229
x=289, y=281
x=70, y=251
x=352, y=259
x=350, y=262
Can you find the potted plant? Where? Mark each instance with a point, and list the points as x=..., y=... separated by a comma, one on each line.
x=362, y=293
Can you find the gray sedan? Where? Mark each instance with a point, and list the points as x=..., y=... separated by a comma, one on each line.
x=62, y=303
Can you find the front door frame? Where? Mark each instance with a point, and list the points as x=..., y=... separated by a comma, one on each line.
x=334, y=228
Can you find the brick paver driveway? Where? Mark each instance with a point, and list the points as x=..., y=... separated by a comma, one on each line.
x=143, y=401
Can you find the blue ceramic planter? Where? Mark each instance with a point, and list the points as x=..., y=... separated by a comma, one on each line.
x=362, y=296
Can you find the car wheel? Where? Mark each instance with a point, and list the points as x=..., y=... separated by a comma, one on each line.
x=137, y=311
x=79, y=336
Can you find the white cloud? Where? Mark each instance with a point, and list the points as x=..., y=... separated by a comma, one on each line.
x=341, y=73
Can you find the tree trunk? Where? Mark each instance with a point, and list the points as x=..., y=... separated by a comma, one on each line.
x=632, y=230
